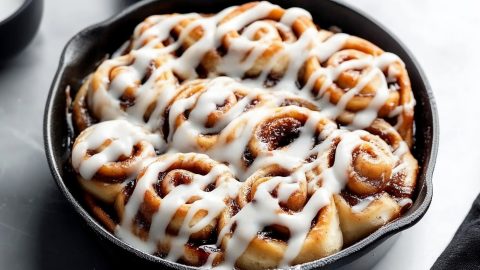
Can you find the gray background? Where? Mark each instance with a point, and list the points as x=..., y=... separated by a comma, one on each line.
x=38, y=230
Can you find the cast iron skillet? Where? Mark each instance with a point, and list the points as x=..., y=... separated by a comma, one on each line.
x=84, y=51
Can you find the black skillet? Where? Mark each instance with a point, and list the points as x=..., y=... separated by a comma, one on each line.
x=87, y=48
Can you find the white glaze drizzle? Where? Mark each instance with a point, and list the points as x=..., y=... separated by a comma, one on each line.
x=404, y=202
x=146, y=46
x=362, y=205
x=240, y=57
x=123, y=136
x=213, y=201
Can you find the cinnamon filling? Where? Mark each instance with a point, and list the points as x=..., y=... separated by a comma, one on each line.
x=280, y=132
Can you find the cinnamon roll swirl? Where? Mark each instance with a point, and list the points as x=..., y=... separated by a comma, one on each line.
x=379, y=175
x=174, y=206
x=275, y=222
x=286, y=129
x=270, y=135
x=106, y=155
x=257, y=35
x=248, y=139
x=203, y=108
x=363, y=83
x=134, y=86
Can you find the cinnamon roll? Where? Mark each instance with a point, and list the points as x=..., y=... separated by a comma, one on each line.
x=275, y=222
x=361, y=83
x=270, y=135
x=134, y=86
x=106, y=155
x=247, y=139
x=257, y=36
x=174, y=206
x=203, y=108
x=290, y=129
x=378, y=176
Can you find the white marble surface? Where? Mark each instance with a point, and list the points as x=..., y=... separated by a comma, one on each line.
x=39, y=231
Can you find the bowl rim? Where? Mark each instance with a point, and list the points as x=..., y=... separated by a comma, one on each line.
x=400, y=224
x=20, y=9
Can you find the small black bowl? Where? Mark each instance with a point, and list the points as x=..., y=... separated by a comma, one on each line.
x=84, y=51
x=18, y=29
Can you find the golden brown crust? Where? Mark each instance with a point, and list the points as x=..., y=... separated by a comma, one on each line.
x=99, y=213
x=384, y=188
x=80, y=112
